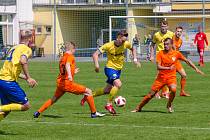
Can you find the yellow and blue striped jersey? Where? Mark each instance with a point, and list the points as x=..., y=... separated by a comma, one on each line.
x=12, y=68
x=115, y=55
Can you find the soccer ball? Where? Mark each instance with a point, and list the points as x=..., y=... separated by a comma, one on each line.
x=120, y=101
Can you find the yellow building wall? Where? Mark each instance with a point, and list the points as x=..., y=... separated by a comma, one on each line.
x=190, y=6
x=43, y=18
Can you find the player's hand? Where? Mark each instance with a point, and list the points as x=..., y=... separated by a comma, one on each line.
x=138, y=64
x=97, y=69
x=172, y=67
x=70, y=78
x=76, y=70
x=200, y=72
x=31, y=82
x=151, y=59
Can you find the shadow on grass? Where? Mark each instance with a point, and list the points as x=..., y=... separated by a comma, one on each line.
x=52, y=116
x=153, y=111
x=6, y=133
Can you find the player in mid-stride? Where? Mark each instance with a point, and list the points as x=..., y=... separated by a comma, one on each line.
x=65, y=82
x=166, y=64
x=12, y=96
x=115, y=58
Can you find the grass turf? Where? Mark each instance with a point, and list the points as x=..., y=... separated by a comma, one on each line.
x=68, y=120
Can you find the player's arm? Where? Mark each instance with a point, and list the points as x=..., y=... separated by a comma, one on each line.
x=196, y=39
x=135, y=60
x=95, y=60
x=68, y=70
x=27, y=77
x=206, y=40
x=159, y=67
x=152, y=49
x=190, y=63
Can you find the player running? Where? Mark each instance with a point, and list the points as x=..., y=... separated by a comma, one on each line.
x=200, y=37
x=179, y=68
x=166, y=64
x=157, y=45
x=115, y=58
x=13, y=98
x=65, y=82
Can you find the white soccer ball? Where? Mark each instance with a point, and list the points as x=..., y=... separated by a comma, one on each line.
x=120, y=101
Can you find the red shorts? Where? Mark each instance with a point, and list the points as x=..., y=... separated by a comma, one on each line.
x=179, y=66
x=160, y=82
x=70, y=87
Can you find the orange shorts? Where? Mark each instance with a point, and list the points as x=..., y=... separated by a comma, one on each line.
x=70, y=87
x=179, y=66
x=161, y=82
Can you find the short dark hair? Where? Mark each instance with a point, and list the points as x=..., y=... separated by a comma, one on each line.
x=122, y=33
x=164, y=22
x=179, y=27
x=171, y=40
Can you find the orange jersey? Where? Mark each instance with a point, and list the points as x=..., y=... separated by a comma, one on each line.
x=168, y=59
x=177, y=42
x=63, y=75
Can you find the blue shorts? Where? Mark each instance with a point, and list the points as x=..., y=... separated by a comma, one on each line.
x=111, y=75
x=10, y=92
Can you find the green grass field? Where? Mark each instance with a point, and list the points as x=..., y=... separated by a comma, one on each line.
x=68, y=120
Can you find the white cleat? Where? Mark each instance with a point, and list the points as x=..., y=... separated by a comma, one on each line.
x=170, y=109
x=97, y=114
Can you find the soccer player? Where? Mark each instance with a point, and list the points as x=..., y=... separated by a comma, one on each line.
x=179, y=68
x=157, y=45
x=13, y=98
x=65, y=82
x=166, y=64
x=115, y=58
x=200, y=37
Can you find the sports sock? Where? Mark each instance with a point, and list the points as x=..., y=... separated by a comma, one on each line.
x=91, y=104
x=10, y=107
x=165, y=89
x=183, y=83
x=47, y=104
x=145, y=100
x=98, y=92
x=112, y=93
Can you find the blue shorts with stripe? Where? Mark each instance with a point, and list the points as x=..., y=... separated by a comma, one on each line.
x=112, y=74
x=10, y=92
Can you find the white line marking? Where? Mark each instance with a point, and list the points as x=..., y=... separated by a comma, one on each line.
x=108, y=125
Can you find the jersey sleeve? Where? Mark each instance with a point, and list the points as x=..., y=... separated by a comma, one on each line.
x=205, y=38
x=128, y=45
x=104, y=48
x=154, y=39
x=180, y=56
x=196, y=38
x=25, y=51
x=158, y=57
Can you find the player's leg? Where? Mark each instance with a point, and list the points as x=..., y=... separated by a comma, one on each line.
x=82, y=90
x=14, y=97
x=157, y=85
x=201, y=57
x=58, y=93
x=171, y=97
x=183, y=82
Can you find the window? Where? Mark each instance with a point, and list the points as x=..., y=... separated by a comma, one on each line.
x=38, y=29
x=48, y=29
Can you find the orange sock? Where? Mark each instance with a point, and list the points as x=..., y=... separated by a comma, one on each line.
x=183, y=83
x=91, y=103
x=146, y=99
x=45, y=105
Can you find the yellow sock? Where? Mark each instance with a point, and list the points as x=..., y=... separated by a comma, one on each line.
x=112, y=93
x=10, y=107
x=98, y=92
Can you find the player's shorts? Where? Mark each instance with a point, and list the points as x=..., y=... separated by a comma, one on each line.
x=179, y=66
x=10, y=92
x=112, y=75
x=71, y=87
x=161, y=82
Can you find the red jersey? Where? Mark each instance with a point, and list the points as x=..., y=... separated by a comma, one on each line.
x=63, y=75
x=168, y=59
x=199, y=39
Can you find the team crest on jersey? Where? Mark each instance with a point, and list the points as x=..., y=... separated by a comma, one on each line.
x=173, y=58
x=114, y=76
